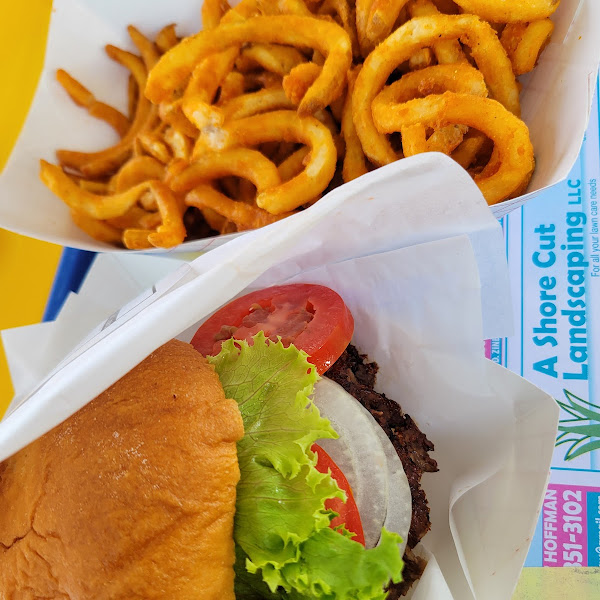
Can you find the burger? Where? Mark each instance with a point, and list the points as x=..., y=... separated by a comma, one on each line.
x=231, y=467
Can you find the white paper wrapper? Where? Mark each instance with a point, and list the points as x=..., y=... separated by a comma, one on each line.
x=414, y=286
x=556, y=102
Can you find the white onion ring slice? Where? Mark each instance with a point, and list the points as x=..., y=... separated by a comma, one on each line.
x=368, y=460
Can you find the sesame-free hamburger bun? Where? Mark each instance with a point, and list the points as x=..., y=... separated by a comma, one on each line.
x=131, y=497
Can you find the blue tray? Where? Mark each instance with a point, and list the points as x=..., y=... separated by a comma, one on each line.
x=72, y=269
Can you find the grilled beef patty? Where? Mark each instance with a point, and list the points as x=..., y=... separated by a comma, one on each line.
x=357, y=377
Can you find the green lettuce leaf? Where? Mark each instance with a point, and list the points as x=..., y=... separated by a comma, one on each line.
x=331, y=567
x=280, y=497
x=284, y=546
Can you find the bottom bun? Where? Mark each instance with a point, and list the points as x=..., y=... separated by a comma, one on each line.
x=131, y=497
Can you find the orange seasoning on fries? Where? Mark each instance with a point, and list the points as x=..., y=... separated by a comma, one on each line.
x=274, y=102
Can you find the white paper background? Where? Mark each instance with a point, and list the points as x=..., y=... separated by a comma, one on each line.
x=555, y=102
x=414, y=290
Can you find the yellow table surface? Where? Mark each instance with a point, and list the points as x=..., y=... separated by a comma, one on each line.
x=558, y=583
x=27, y=266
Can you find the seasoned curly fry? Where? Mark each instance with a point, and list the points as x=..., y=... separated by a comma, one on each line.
x=363, y=10
x=171, y=232
x=216, y=221
x=147, y=201
x=414, y=139
x=95, y=164
x=84, y=98
x=202, y=88
x=289, y=126
x=137, y=170
x=510, y=36
x=355, y=163
x=181, y=145
x=458, y=77
x=263, y=79
x=233, y=85
x=133, y=92
x=446, y=139
x=524, y=42
x=99, y=230
x=166, y=38
x=382, y=16
x=136, y=218
x=154, y=146
x=146, y=47
x=397, y=48
x=461, y=78
x=347, y=19
x=272, y=57
x=212, y=12
x=327, y=119
x=421, y=59
x=256, y=102
x=163, y=229
x=446, y=51
x=172, y=113
x=283, y=7
x=328, y=38
x=96, y=187
x=244, y=215
x=297, y=82
x=210, y=73
x=293, y=164
x=509, y=134
x=241, y=162
x=136, y=239
x=506, y=11
x=466, y=153
x=93, y=205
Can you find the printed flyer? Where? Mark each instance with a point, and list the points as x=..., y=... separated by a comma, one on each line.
x=553, y=250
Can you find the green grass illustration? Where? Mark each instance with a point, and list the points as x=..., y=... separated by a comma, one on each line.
x=581, y=429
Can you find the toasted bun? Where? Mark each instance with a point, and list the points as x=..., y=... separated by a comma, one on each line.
x=133, y=496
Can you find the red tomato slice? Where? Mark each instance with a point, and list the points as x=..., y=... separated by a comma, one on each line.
x=312, y=317
x=347, y=511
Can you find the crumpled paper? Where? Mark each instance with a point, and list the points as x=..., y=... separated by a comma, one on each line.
x=414, y=281
x=556, y=101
